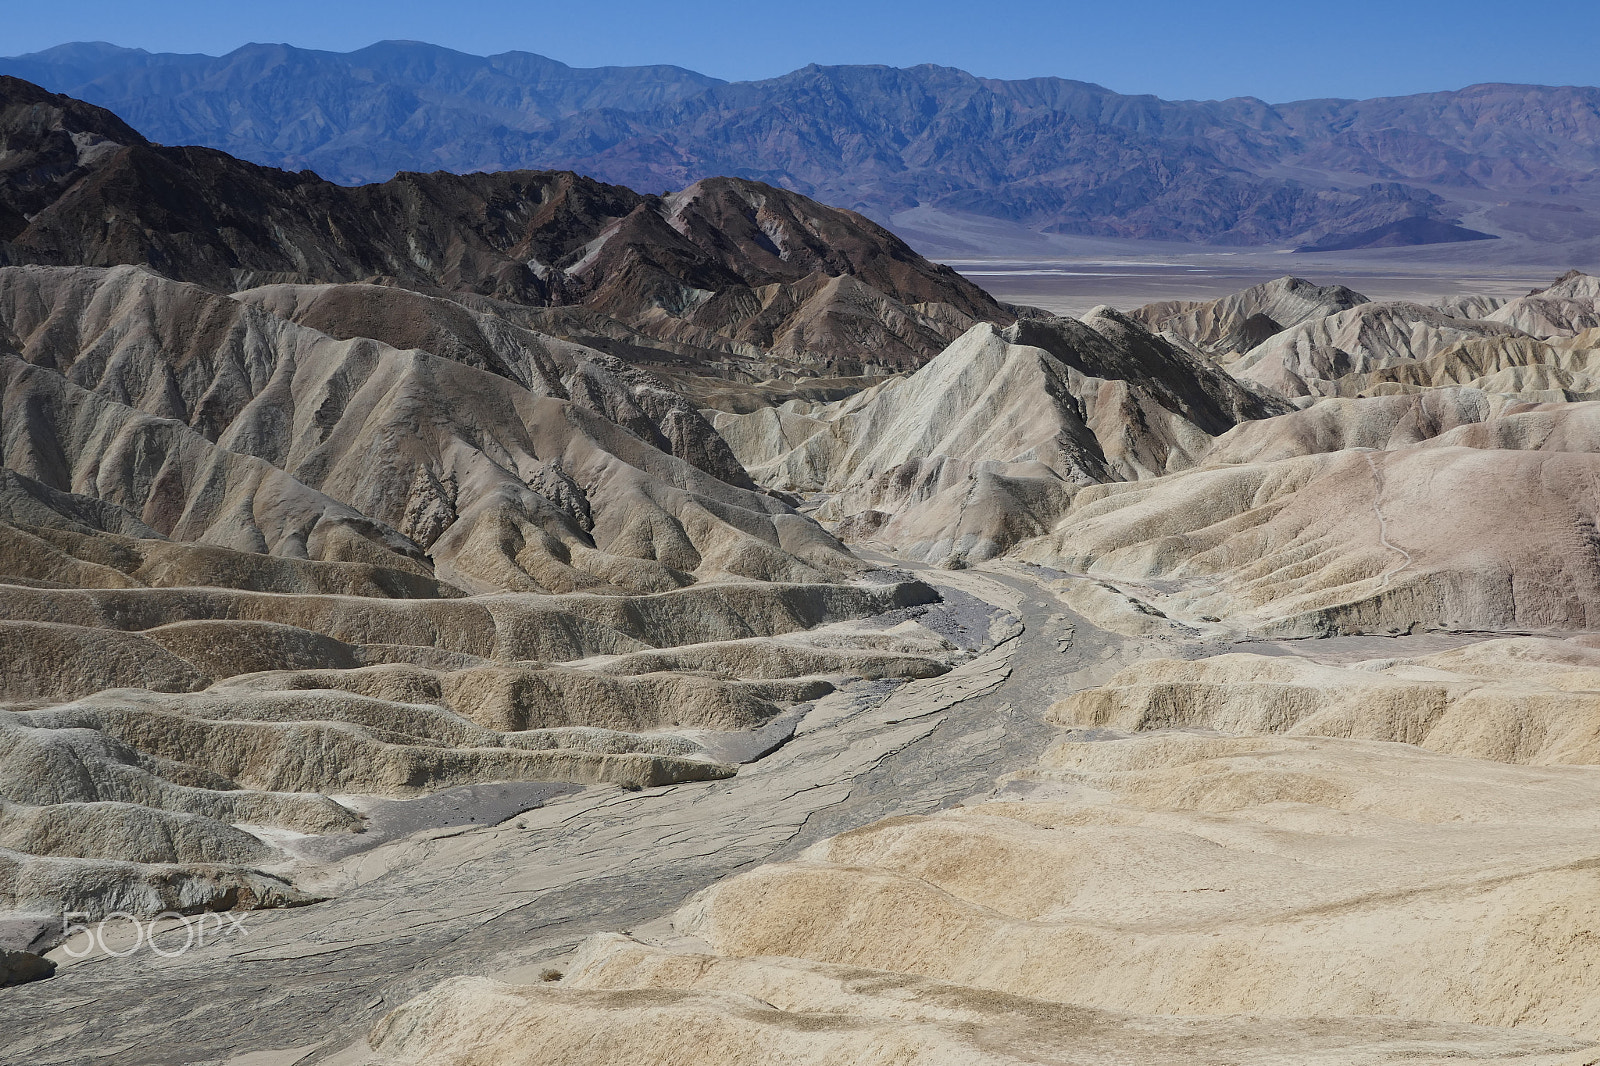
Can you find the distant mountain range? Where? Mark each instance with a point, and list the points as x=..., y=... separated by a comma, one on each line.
x=1050, y=154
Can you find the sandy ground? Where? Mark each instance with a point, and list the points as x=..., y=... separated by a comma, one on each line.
x=503, y=891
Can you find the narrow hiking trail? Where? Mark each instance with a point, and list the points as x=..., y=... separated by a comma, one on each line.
x=1383, y=524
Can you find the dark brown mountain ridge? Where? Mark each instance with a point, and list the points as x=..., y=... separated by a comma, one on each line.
x=725, y=266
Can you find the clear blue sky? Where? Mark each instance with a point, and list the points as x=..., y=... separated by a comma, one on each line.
x=1291, y=49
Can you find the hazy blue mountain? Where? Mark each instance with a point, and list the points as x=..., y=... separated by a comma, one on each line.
x=1049, y=153
x=353, y=117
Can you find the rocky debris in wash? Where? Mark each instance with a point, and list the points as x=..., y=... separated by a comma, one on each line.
x=122, y=796
x=1159, y=874
x=20, y=967
x=1388, y=902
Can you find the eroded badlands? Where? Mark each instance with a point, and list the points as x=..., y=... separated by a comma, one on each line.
x=1203, y=682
